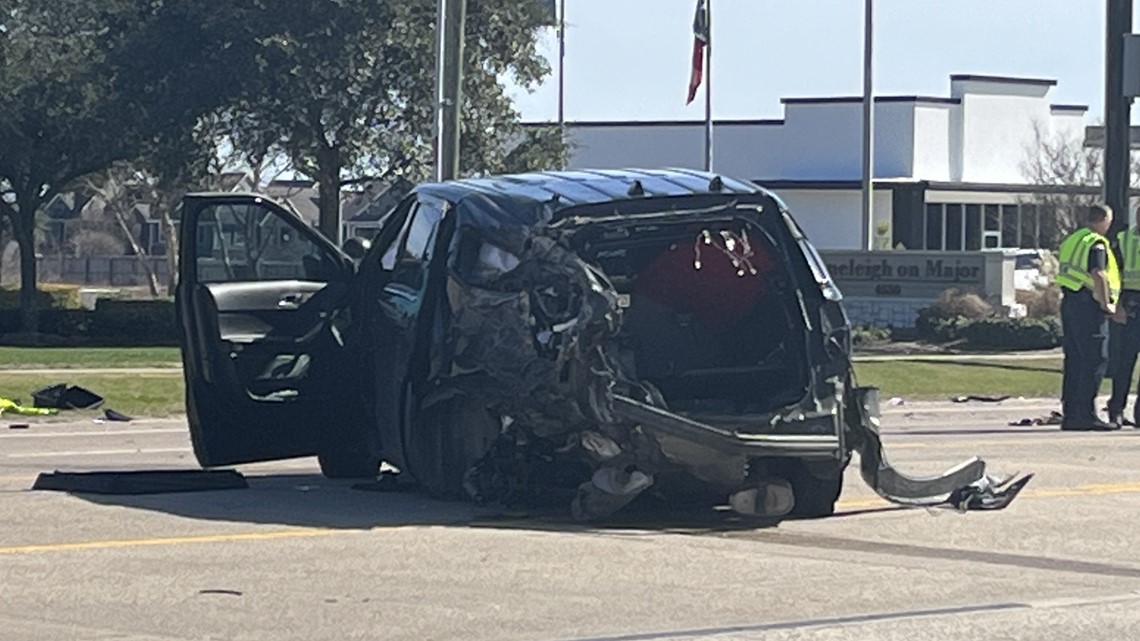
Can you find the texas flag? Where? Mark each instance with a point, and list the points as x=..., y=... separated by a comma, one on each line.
x=700, y=41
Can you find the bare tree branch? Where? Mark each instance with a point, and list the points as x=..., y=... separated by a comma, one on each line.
x=1058, y=160
x=113, y=188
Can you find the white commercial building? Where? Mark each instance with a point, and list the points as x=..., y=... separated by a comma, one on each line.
x=949, y=170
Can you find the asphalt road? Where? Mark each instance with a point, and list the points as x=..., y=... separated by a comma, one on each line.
x=300, y=557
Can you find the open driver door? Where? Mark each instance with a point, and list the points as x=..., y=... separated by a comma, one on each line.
x=263, y=314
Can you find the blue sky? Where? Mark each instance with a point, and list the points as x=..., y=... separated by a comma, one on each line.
x=629, y=59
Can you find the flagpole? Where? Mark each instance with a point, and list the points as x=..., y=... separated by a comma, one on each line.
x=708, y=88
x=868, y=130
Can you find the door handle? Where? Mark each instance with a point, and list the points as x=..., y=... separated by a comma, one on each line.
x=290, y=301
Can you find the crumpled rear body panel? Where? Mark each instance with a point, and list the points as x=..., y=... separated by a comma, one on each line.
x=532, y=337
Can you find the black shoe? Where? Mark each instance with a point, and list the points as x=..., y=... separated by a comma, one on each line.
x=1101, y=426
x=1116, y=418
x=1096, y=425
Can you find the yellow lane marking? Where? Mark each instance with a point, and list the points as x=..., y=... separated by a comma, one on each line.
x=133, y=450
x=306, y=533
x=174, y=540
x=1100, y=489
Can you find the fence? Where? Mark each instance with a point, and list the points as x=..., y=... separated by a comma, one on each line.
x=112, y=271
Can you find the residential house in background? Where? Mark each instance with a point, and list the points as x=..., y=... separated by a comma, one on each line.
x=364, y=211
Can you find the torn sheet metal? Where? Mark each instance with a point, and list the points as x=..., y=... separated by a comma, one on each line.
x=531, y=335
x=964, y=487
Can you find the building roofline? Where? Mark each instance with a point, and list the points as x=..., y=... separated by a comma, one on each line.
x=587, y=124
x=1043, y=82
x=1076, y=108
x=809, y=184
x=1007, y=188
x=859, y=99
x=931, y=185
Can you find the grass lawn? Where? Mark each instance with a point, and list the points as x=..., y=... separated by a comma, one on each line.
x=940, y=380
x=87, y=357
x=161, y=394
x=153, y=395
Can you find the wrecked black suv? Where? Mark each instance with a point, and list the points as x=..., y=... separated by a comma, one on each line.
x=601, y=332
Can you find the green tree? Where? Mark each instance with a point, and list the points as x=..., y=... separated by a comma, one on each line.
x=59, y=112
x=91, y=83
x=347, y=88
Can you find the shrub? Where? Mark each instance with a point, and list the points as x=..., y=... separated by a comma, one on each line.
x=932, y=326
x=1012, y=333
x=955, y=302
x=113, y=322
x=1041, y=303
x=134, y=322
x=68, y=323
x=943, y=321
x=48, y=297
x=862, y=336
x=62, y=296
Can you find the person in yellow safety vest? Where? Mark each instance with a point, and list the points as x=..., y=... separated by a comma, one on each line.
x=1124, y=338
x=1090, y=282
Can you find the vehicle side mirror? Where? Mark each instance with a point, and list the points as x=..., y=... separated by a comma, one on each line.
x=356, y=248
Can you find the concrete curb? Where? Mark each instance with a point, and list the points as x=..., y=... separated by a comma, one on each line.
x=965, y=358
x=81, y=371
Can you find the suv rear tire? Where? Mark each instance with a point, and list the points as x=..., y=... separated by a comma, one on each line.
x=816, y=485
x=815, y=496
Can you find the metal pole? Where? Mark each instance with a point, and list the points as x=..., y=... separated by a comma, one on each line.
x=562, y=64
x=868, y=130
x=1116, y=114
x=437, y=124
x=451, y=90
x=708, y=88
x=562, y=75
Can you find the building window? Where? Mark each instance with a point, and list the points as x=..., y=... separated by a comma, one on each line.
x=1030, y=226
x=957, y=227
x=1010, y=226
x=934, y=225
x=973, y=241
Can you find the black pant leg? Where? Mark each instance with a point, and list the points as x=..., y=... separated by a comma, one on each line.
x=1086, y=356
x=1119, y=368
x=1094, y=357
x=1123, y=347
x=1070, y=368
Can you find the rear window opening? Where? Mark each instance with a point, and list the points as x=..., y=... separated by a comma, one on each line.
x=711, y=315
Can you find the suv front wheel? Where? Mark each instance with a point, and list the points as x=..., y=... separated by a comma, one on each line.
x=343, y=462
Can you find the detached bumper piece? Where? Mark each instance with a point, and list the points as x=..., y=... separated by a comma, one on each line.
x=655, y=419
x=141, y=482
x=963, y=487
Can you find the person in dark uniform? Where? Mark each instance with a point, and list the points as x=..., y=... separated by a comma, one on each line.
x=1124, y=338
x=1090, y=281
